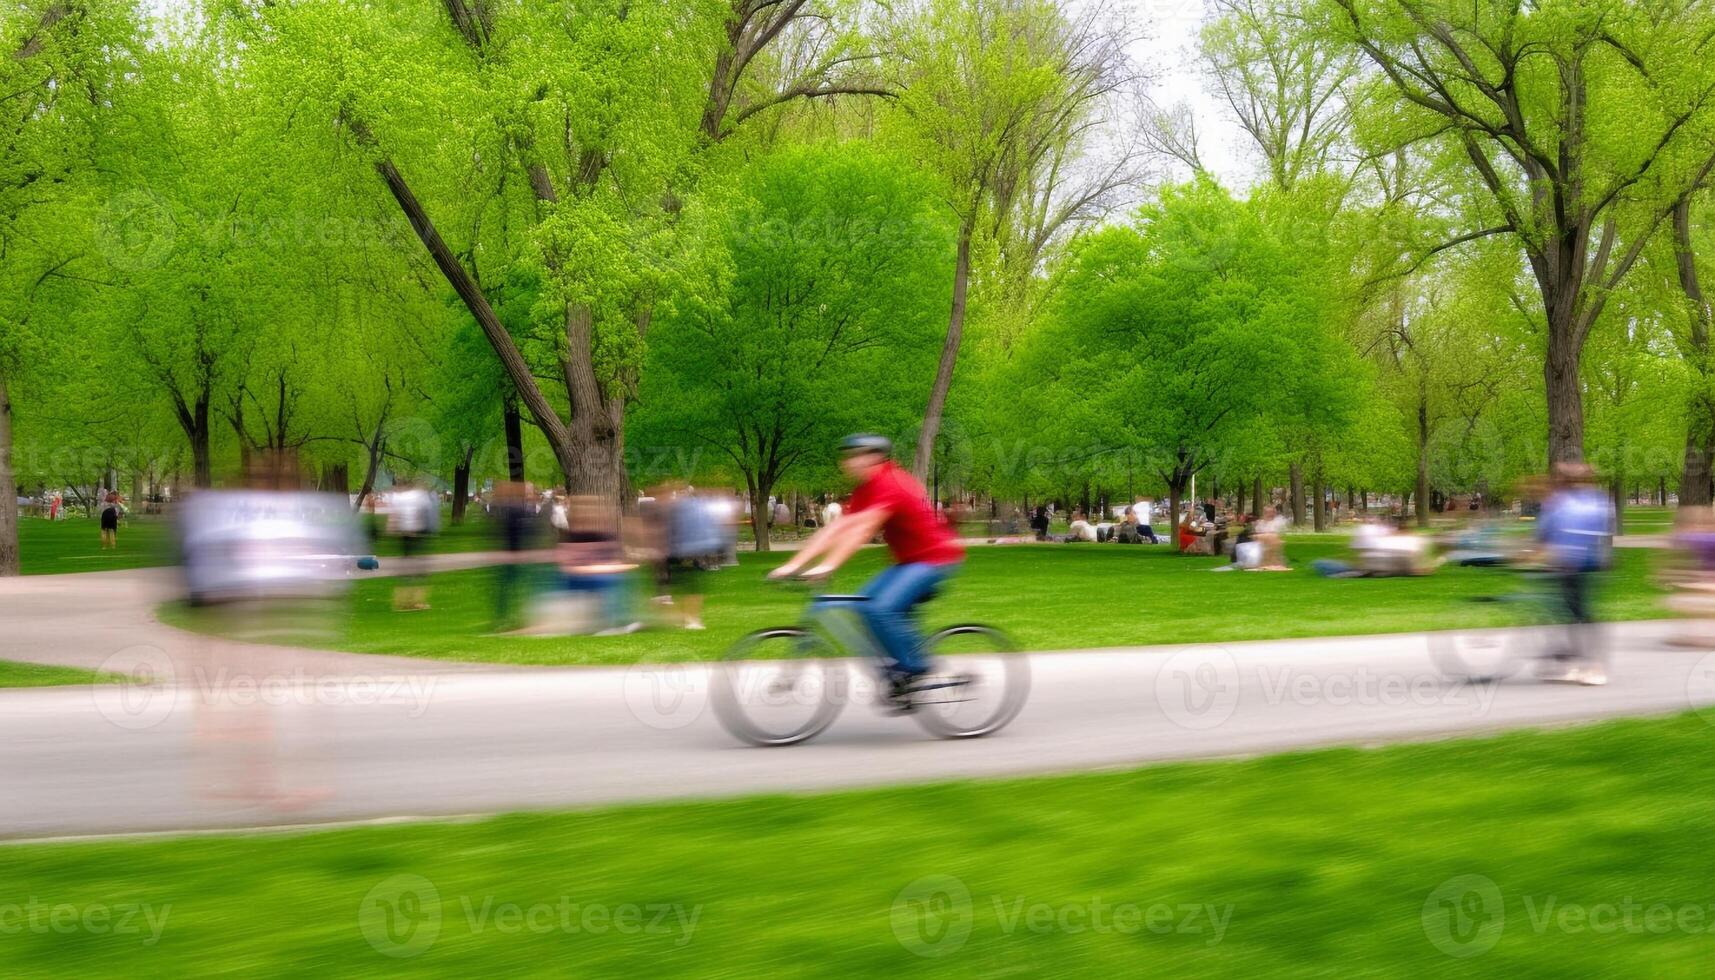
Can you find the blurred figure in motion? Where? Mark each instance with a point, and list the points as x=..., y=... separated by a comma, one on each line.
x=111, y=511
x=592, y=564
x=516, y=526
x=1270, y=533
x=269, y=561
x=694, y=543
x=1576, y=534
x=413, y=515
x=1691, y=575
x=1381, y=549
x=271, y=540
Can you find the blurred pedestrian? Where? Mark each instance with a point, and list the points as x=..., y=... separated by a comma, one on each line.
x=1576, y=532
x=516, y=525
x=692, y=543
x=592, y=560
x=413, y=515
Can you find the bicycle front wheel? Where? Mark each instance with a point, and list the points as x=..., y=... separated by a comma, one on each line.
x=779, y=687
x=979, y=683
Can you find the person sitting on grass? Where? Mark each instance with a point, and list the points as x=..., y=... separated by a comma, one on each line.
x=1271, y=534
x=1080, y=529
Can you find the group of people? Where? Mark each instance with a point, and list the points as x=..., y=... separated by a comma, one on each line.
x=1130, y=529
x=678, y=534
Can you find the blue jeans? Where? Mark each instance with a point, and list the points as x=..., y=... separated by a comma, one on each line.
x=890, y=610
x=608, y=587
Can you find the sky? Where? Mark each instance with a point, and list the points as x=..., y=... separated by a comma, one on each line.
x=1168, y=52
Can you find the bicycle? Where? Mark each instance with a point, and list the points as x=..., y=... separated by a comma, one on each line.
x=786, y=685
x=1492, y=654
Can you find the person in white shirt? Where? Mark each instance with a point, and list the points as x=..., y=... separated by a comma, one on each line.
x=1080, y=529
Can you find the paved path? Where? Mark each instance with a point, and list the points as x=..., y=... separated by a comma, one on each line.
x=241, y=736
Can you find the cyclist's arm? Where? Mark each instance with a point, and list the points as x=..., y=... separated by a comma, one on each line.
x=860, y=528
x=836, y=542
x=814, y=545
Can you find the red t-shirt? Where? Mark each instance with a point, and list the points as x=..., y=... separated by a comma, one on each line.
x=913, y=532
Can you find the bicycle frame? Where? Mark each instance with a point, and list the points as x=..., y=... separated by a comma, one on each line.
x=841, y=623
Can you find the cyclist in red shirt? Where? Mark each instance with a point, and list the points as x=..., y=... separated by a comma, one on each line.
x=926, y=553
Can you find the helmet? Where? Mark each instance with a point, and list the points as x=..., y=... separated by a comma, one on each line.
x=866, y=442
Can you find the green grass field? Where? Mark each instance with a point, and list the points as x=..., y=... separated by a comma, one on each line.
x=1050, y=597
x=15, y=674
x=1328, y=863
x=145, y=541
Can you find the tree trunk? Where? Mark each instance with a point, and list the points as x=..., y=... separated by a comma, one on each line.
x=1565, y=396
x=514, y=442
x=505, y=348
x=1175, y=498
x=1295, y=485
x=1319, y=507
x=759, y=515
x=949, y=356
x=1422, y=489
x=593, y=454
x=1239, y=498
x=1256, y=496
x=337, y=479
x=1696, y=474
x=370, y=471
x=202, y=468
x=9, y=564
x=461, y=485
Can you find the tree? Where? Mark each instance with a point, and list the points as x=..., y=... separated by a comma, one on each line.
x=1178, y=338
x=56, y=60
x=995, y=92
x=603, y=109
x=832, y=284
x=1582, y=121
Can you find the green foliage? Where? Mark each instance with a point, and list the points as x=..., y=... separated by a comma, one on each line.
x=821, y=320
x=1190, y=336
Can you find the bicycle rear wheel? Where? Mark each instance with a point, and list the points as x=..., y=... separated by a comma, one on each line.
x=979, y=683
x=779, y=687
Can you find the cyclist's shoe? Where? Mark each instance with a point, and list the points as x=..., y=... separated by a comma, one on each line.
x=901, y=691
x=1589, y=675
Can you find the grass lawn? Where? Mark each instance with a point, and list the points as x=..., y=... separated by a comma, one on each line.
x=1587, y=851
x=74, y=545
x=15, y=674
x=1051, y=596
x=1648, y=519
